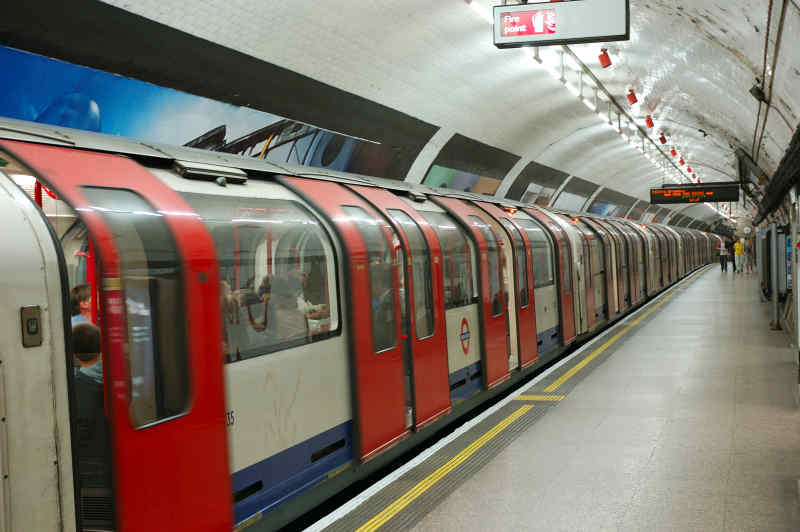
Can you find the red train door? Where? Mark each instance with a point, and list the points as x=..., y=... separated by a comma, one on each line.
x=564, y=274
x=164, y=383
x=632, y=263
x=423, y=283
x=493, y=299
x=589, y=269
x=622, y=268
x=610, y=266
x=377, y=362
x=523, y=263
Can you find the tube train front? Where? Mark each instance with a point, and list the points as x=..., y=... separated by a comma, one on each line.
x=269, y=337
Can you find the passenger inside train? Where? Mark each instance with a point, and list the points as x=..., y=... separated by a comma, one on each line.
x=80, y=299
x=282, y=245
x=92, y=427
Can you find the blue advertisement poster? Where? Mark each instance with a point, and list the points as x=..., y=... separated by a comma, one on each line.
x=48, y=91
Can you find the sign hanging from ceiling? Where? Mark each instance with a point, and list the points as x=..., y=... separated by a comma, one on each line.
x=705, y=193
x=548, y=23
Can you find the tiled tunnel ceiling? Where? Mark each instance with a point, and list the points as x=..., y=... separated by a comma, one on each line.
x=694, y=63
x=691, y=63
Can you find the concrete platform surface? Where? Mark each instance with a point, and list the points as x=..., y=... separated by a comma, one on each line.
x=690, y=424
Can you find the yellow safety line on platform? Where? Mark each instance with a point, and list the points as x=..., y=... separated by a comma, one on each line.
x=597, y=352
x=539, y=397
x=429, y=481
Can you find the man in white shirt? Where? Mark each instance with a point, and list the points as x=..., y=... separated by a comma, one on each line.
x=723, y=255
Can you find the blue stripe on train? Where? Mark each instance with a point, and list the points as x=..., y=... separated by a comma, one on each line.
x=470, y=379
x=550, y=340
x=291, y=471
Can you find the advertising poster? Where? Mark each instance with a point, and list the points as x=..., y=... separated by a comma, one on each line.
x=48, y=91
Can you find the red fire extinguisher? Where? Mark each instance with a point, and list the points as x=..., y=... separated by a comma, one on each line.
x=605, y=60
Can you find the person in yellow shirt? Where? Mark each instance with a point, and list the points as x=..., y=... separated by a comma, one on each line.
x=738, y=256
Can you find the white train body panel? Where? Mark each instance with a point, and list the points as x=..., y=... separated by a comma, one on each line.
x=546, y=307
x=463, y=345
x=285, y=398
x=35, y=437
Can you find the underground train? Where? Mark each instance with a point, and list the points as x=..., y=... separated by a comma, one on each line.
x=272, y=333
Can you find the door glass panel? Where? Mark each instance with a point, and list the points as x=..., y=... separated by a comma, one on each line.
x=152, y=283
x=587, y=266
x=495, y=274
x=521, y=263
x=542, y=253
x=277, y=273
x=381, y=276
x=597, y=257
x=457, y=260
x=420, y=272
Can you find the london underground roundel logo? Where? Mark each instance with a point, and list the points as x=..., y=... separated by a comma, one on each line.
x=465, y=335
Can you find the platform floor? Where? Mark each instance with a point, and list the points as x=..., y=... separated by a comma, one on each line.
x=688, y=421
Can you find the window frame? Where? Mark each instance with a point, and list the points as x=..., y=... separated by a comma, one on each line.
x=333, y=275
x=428, y=286
x=396, y=340
x=552, y=251
x=156, y=333
x=518, y=249
x=470, y=250
x=486, y=230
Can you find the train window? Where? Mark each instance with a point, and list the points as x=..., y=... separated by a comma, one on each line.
x=521, y=266
x=542, y=253
x=457, y=260
x=495, y=273
x=381, y=276
x=420, y=272
x=152, y=283
x=277, y=273
x=75, y=244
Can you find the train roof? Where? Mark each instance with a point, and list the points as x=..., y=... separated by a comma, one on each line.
x=12, y=129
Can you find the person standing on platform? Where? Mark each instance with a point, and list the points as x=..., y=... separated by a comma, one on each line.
x=738, y=256
x=749, y=259
x=729, y=246
x=723, y=255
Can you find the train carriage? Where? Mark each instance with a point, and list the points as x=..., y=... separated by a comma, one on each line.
x=271, y=335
